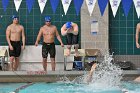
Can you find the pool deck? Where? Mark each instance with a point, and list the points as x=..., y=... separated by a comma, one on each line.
x=52, y=76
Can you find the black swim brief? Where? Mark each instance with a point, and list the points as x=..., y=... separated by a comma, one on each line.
x=48, y=48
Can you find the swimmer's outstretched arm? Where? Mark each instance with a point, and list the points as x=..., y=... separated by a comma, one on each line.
x=89, y=77
x=38, y=37
x=8, y=31
x=137, y=35
x=23, y=37
x=58, y=37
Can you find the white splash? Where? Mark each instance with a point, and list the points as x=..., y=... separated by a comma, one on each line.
x=105, y=75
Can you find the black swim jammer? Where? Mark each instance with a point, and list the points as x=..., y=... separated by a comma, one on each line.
x=48, y=48
x=71, y=39
x=16, y=49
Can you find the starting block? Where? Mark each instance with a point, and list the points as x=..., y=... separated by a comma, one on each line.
x=72, y=53
x=3, y=58
x=84, y=53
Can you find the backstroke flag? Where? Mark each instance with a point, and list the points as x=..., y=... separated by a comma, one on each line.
x=29, y=4
x=102, y=5
x=137, y=7
x=126, y=6
x=77, y=5
x=90, y=5
x=114, y=6
x=5, y=4
x=42, y=4
x=66, y=4
x=17, y=4
x=54, y=4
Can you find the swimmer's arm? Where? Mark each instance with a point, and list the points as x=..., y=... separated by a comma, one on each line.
x=8, y=35
x=75, y=28
x=137, y=33
x=23, y=36
x=91, y=72
x=58, y=37
x=39, y=35
x=64, y=30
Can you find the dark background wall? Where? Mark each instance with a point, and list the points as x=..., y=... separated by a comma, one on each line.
x=122, y=32
x=34, y=20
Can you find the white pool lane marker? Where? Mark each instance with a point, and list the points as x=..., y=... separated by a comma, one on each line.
x=22, y=87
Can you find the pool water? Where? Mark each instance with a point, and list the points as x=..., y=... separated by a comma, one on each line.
x=65, y=88
x=8, y=87
x=61, y=87
x=105, y=79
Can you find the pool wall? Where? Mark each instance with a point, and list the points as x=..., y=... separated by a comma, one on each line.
x=53, y=76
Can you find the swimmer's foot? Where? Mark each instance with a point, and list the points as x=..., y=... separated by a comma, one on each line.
x=77, y=53
x=68, y=52
x=41, y=72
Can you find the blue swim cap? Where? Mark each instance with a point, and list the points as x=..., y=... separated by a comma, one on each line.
x=47, y=18
x=14, y=16
x=68, y=24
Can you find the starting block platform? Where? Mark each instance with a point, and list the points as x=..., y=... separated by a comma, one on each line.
x=3, y=58
x=82, y=53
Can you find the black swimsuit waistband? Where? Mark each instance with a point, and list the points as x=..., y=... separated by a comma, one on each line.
x=14, y=41
x=48, y=43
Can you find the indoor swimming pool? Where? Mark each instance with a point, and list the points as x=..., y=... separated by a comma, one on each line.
x=107, y=78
